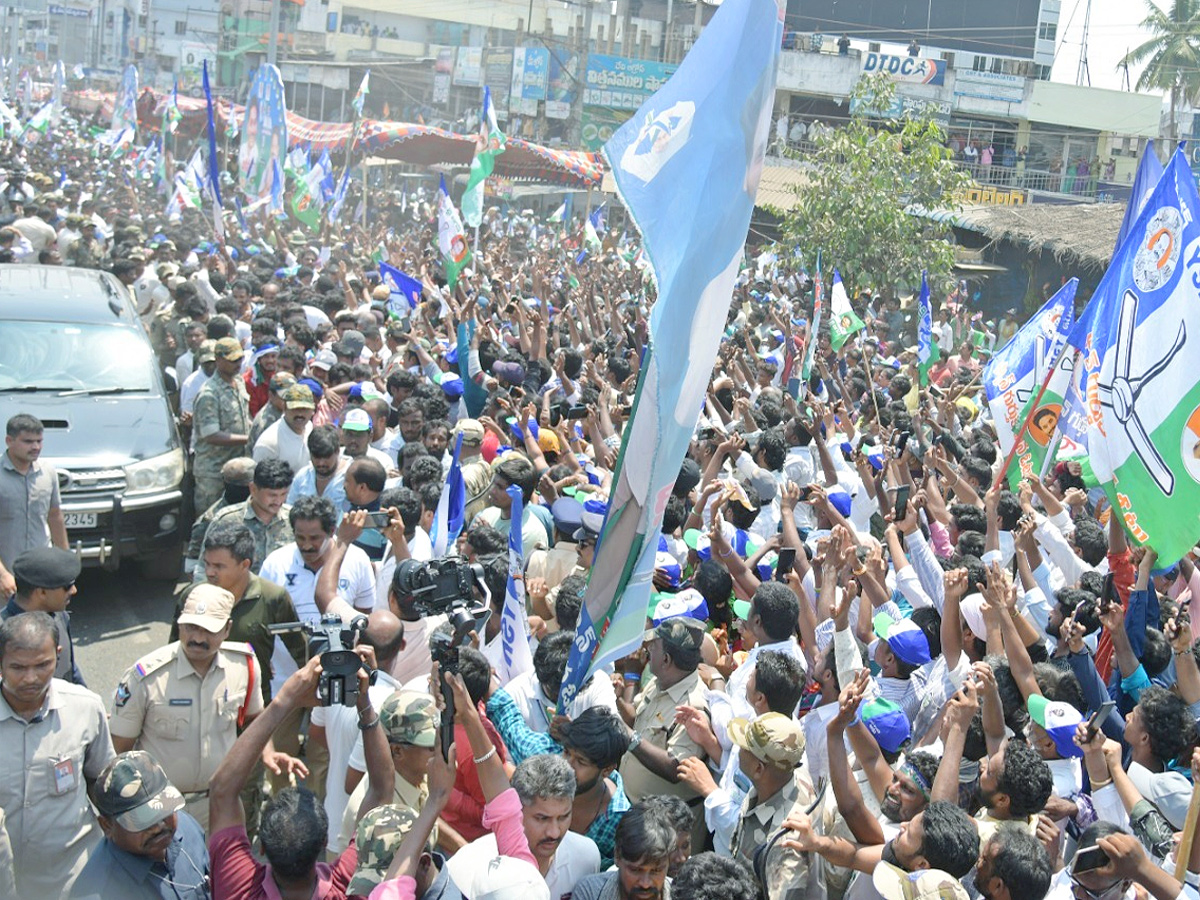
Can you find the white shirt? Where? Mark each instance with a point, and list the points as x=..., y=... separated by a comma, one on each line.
x=420, y=549
x=188, y=392
x=414, y=661
x=344, y=740
x=576, y=857
x=285, y=567
x=278, y=441
x=185, y=365
x=533, y=703
x=190, y=389
x=737, y=680
x=379, y=456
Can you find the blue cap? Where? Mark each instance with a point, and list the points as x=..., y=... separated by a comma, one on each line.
x=667, y=564
x=451, y=385
x=905, y=639
x=313, y=385
x=689, y=603
x=568, y=514
x=698, y=541
x=841, y=502
x=591, y=518
x=887, y=723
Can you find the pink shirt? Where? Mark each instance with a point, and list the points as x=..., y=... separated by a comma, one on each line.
x=502, y=816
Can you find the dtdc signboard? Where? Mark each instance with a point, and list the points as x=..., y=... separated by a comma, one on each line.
x=906, y=69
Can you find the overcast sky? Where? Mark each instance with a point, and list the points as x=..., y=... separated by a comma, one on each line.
x=1115, y=28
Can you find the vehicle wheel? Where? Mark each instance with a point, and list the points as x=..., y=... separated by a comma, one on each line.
x=166, y=565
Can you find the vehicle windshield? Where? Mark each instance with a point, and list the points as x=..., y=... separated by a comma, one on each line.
x=70, y=357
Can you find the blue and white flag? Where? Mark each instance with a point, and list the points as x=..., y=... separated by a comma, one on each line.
x=924, y=327
x=687, y=166
x=563, y=213
x=515, y=655
x=325, y=166
x=593, y=228
x=1149, y=171
x=405, y=290
x=1017, y=370
x=276, y=204
x=339, y=197
x=451, y=509
x=214, y=165
x=1136, y=385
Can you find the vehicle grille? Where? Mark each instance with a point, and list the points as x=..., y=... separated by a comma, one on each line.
x=90, y=484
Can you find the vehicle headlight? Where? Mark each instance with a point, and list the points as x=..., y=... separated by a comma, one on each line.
x=159, y=473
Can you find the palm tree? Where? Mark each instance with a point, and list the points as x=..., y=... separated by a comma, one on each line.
x=1172, y=55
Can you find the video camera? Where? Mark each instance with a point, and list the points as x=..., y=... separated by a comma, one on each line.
x=334, y=642
x=446, y=587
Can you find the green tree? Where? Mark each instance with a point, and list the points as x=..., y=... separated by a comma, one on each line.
x=862, y=181
x=1172, y=55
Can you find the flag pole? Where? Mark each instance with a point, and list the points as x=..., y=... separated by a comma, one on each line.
x=1051, y=449
x=871, y=385
x=1025, y=422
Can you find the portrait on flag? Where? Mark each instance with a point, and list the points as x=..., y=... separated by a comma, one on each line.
x=264, y=132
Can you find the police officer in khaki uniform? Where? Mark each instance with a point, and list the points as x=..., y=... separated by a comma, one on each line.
x=220, y=422
x=771, y=749
x=55, y=742
x=185, y=702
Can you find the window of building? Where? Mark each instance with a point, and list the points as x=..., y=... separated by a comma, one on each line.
x=181, y=26
x=1047, y=31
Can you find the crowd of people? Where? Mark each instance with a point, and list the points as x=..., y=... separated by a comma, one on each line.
x=868, y=670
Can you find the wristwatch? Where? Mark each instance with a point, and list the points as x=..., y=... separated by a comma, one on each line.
x=635, y=739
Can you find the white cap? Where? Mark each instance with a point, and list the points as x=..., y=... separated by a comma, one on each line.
x=508, y=878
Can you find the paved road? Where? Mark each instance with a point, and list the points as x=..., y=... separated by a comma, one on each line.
x=116, y=618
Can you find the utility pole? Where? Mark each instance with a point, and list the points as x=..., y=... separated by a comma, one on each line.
x=583, y=63
x=14, y=19
x=273, y=42
x=1083, y=74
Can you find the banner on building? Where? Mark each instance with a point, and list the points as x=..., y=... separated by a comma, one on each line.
x=530, y=73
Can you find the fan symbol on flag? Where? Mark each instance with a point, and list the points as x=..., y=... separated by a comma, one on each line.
x=1121, y=393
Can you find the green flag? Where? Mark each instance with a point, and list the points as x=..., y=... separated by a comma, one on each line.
x=843, y=321
x=489, y=144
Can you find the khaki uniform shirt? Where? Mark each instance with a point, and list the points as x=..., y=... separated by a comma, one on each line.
x=220, y=406
x=188, y=722
x=267, y=538
x=45, y=766
x=655, y=721
x=477, y=478
x=403, y=794
x=262, y=604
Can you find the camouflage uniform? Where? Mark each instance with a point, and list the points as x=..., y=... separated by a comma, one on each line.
x=271, y=536
x=220, y=406
x=380, y=833
x=777, y=740
x=269, y=414
x=406, y=717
